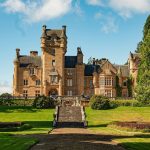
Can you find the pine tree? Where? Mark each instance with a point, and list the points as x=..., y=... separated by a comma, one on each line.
x=143, y=87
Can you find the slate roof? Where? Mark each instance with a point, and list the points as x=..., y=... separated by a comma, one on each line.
x=124, y=69
x=70, y=61
x=89, y=69
x=26, y=60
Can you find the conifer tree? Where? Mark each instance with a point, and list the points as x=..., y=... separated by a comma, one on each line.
x=143, y=87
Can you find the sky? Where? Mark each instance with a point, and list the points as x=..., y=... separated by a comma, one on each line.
x=102, y=28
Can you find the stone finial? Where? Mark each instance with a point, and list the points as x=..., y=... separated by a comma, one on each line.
x=43, y=31
x=64, y=28
x=119, y=71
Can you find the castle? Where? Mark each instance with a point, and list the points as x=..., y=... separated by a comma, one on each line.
x=53, y=73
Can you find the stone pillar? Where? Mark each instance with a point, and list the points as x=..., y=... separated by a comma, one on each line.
x=16, y=77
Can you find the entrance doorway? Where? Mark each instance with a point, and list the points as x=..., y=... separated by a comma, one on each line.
x=53, y=92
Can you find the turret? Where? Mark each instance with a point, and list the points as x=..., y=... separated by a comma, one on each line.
x=79, y=56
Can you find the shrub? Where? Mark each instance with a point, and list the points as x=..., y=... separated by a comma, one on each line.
x=43, y=102
x=6, y=99
x=100, y=102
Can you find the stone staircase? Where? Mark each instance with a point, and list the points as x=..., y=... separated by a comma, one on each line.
x=69, y=116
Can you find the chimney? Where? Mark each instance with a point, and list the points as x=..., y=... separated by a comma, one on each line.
x=33, y=53
x=17, y=52
x=93, y=61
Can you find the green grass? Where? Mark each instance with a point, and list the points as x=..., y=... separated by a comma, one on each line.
x=39, y=119
x=8, y=142
x=99, y=119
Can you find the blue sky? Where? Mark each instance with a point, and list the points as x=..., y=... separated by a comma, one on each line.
x=102, y=28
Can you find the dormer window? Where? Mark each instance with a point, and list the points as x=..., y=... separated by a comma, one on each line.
x=32, y=71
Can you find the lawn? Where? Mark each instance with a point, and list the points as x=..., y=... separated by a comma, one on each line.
x=8, y=142
x=99, y=119
x=39, y=119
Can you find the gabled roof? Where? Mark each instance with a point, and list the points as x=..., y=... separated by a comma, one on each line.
x=70, y=61
x=124, y=69
x=27, y=60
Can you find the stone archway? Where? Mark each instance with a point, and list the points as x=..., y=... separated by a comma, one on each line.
x=53, y=92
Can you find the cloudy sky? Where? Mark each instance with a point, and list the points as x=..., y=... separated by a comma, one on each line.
x=102, y=28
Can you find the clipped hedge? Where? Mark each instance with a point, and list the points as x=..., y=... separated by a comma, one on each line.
x=116, y=103
x=99, y=102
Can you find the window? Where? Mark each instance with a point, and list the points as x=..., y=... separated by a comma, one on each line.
x=54, y=79
x=25, y=82
x=108, y=81
x=69, y=72
x=69, y=93
x=108, y=93
x=69, y=82
x=124, y=83
x=25, y=93
x=37, y=93
x=53, y=63
x=32, y=71
x=91, y=84
x=38, y=82
x=53, y=52
x=102, y=81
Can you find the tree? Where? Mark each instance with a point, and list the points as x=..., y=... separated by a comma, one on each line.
x=143, y=87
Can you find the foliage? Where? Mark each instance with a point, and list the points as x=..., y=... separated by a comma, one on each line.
x=129, y=86
x=116, y=103
x=143, y=87
x=99, y=102
x=6, y=99
x=118, y=88
x=43, y=102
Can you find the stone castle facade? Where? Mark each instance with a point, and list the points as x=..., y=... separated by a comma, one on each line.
x=54, y=73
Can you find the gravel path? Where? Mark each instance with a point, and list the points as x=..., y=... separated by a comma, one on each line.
x=74, y=139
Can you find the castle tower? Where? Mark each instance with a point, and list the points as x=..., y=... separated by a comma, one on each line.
x=16, y=74
x=54, y=47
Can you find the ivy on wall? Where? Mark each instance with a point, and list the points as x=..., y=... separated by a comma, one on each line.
x=118, y=88
x=129, y=86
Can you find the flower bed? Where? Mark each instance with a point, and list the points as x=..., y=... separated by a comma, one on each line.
x=136, y=126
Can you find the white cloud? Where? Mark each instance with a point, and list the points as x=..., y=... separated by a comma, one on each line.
x=5, y=87
x=38, y=10
x=98, y=15
x=125, y=8
x=128, y=7
x=109, y=25
x=77, y=8
x=95, y=2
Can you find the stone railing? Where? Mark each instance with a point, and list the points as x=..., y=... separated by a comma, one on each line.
x=55, y=115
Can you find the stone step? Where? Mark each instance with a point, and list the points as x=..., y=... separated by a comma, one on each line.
x=70, y=124
x=70, y=114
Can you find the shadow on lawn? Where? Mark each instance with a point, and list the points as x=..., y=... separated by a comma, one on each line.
x=40, y=124
x=98, y=125
x=10, y=109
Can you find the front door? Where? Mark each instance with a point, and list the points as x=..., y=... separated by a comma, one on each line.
x=53, y=92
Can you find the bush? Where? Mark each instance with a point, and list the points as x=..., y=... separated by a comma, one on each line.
x=6, y=99
x=43, y=102
x=100, y=102
x=116, y=103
